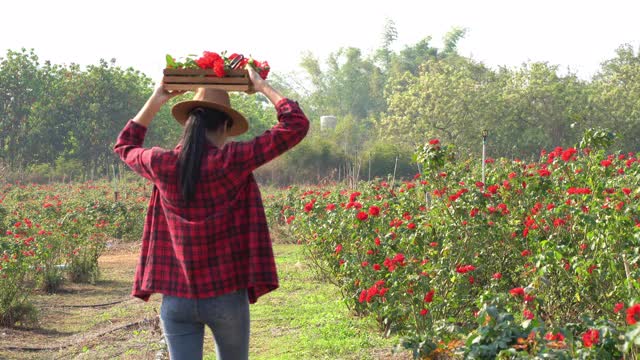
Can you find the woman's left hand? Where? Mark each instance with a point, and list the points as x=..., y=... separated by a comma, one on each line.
x=161, y=95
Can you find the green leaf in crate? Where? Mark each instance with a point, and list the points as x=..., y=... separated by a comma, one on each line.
x=171, y=63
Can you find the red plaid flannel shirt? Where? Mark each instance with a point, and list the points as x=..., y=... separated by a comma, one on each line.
x=219, y=243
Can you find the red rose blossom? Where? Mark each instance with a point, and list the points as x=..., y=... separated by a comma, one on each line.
x=590, y=337
x=617, y=307
x=517, y=291
x=632, y=314
x=429, y=296
x=374, y=210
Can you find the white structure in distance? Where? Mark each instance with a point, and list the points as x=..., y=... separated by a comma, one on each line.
x=328, y=122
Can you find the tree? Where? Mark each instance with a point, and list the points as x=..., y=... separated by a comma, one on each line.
x=351, y=85
x=447, y=100
x=539, y=109
x=20, y=88
x=616, y=95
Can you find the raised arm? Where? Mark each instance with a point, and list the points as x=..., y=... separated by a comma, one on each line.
x=129, y=143
x=291, y=128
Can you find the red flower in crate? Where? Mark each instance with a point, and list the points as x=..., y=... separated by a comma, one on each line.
x=219, y=62
x=241, y=63
x=262, y=67
x=212, y=60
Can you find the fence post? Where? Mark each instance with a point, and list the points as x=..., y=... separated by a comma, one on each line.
x=485, y=133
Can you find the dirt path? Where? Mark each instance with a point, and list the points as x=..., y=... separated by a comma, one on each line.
x=102, y=321
x=98, y=321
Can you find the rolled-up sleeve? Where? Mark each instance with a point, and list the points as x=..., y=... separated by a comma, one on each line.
x=291, y=128
x=129, y=148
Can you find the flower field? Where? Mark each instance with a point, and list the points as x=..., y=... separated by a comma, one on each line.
x=541, y=260
x=53, y=233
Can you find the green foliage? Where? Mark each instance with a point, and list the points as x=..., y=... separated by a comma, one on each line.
x=539, y=245
x=497, y=331
x=66, y=113
x=54, y=232
x=597, y=139
x=382, y=157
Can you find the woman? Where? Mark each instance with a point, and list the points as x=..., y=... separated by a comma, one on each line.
x=205, y=244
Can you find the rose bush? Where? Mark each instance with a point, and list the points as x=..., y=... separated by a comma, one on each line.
x=552, y=243
x=52, y=232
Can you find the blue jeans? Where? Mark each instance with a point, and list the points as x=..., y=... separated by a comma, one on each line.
x=227, y=316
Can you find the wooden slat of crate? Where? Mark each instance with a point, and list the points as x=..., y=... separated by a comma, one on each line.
x=192, y=79
x=193, y=72
x=227, y=87
x=204, y=80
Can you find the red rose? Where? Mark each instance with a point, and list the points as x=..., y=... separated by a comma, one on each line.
x=568, y=154
x=517, y=291
x=632, y=314
x=362, y=216
x=264, y=72
x=374, y=211
x=463, y=269
x=363, y=296
x=308, y=207
x=544, y=172
x=590, y=337
x=338, y=248
x=528, y=314
x=554, y=337
x=242, y=62
x=429, y=296
x=434, y=141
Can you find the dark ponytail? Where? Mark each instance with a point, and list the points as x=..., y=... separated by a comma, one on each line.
x=193, y=143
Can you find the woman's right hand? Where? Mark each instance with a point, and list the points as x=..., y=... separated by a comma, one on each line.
x=258, y=83
x=262, y=86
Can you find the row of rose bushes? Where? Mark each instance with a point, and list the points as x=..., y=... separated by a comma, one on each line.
x=53, y=233
x=539, y=260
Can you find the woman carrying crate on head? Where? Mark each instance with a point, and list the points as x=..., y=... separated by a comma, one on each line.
x=205, y=244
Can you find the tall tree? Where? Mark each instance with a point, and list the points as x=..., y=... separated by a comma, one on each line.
x=616, y=94
x=448, y=100
x=20, y=88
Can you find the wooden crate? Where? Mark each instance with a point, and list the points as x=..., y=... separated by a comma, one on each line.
x=192, y=79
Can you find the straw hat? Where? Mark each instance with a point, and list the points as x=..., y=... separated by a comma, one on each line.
x=213, y=99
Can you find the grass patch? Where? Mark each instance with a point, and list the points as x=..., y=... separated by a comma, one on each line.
x=306, y=318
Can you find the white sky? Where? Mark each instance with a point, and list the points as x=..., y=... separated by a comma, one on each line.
x=575, y=34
